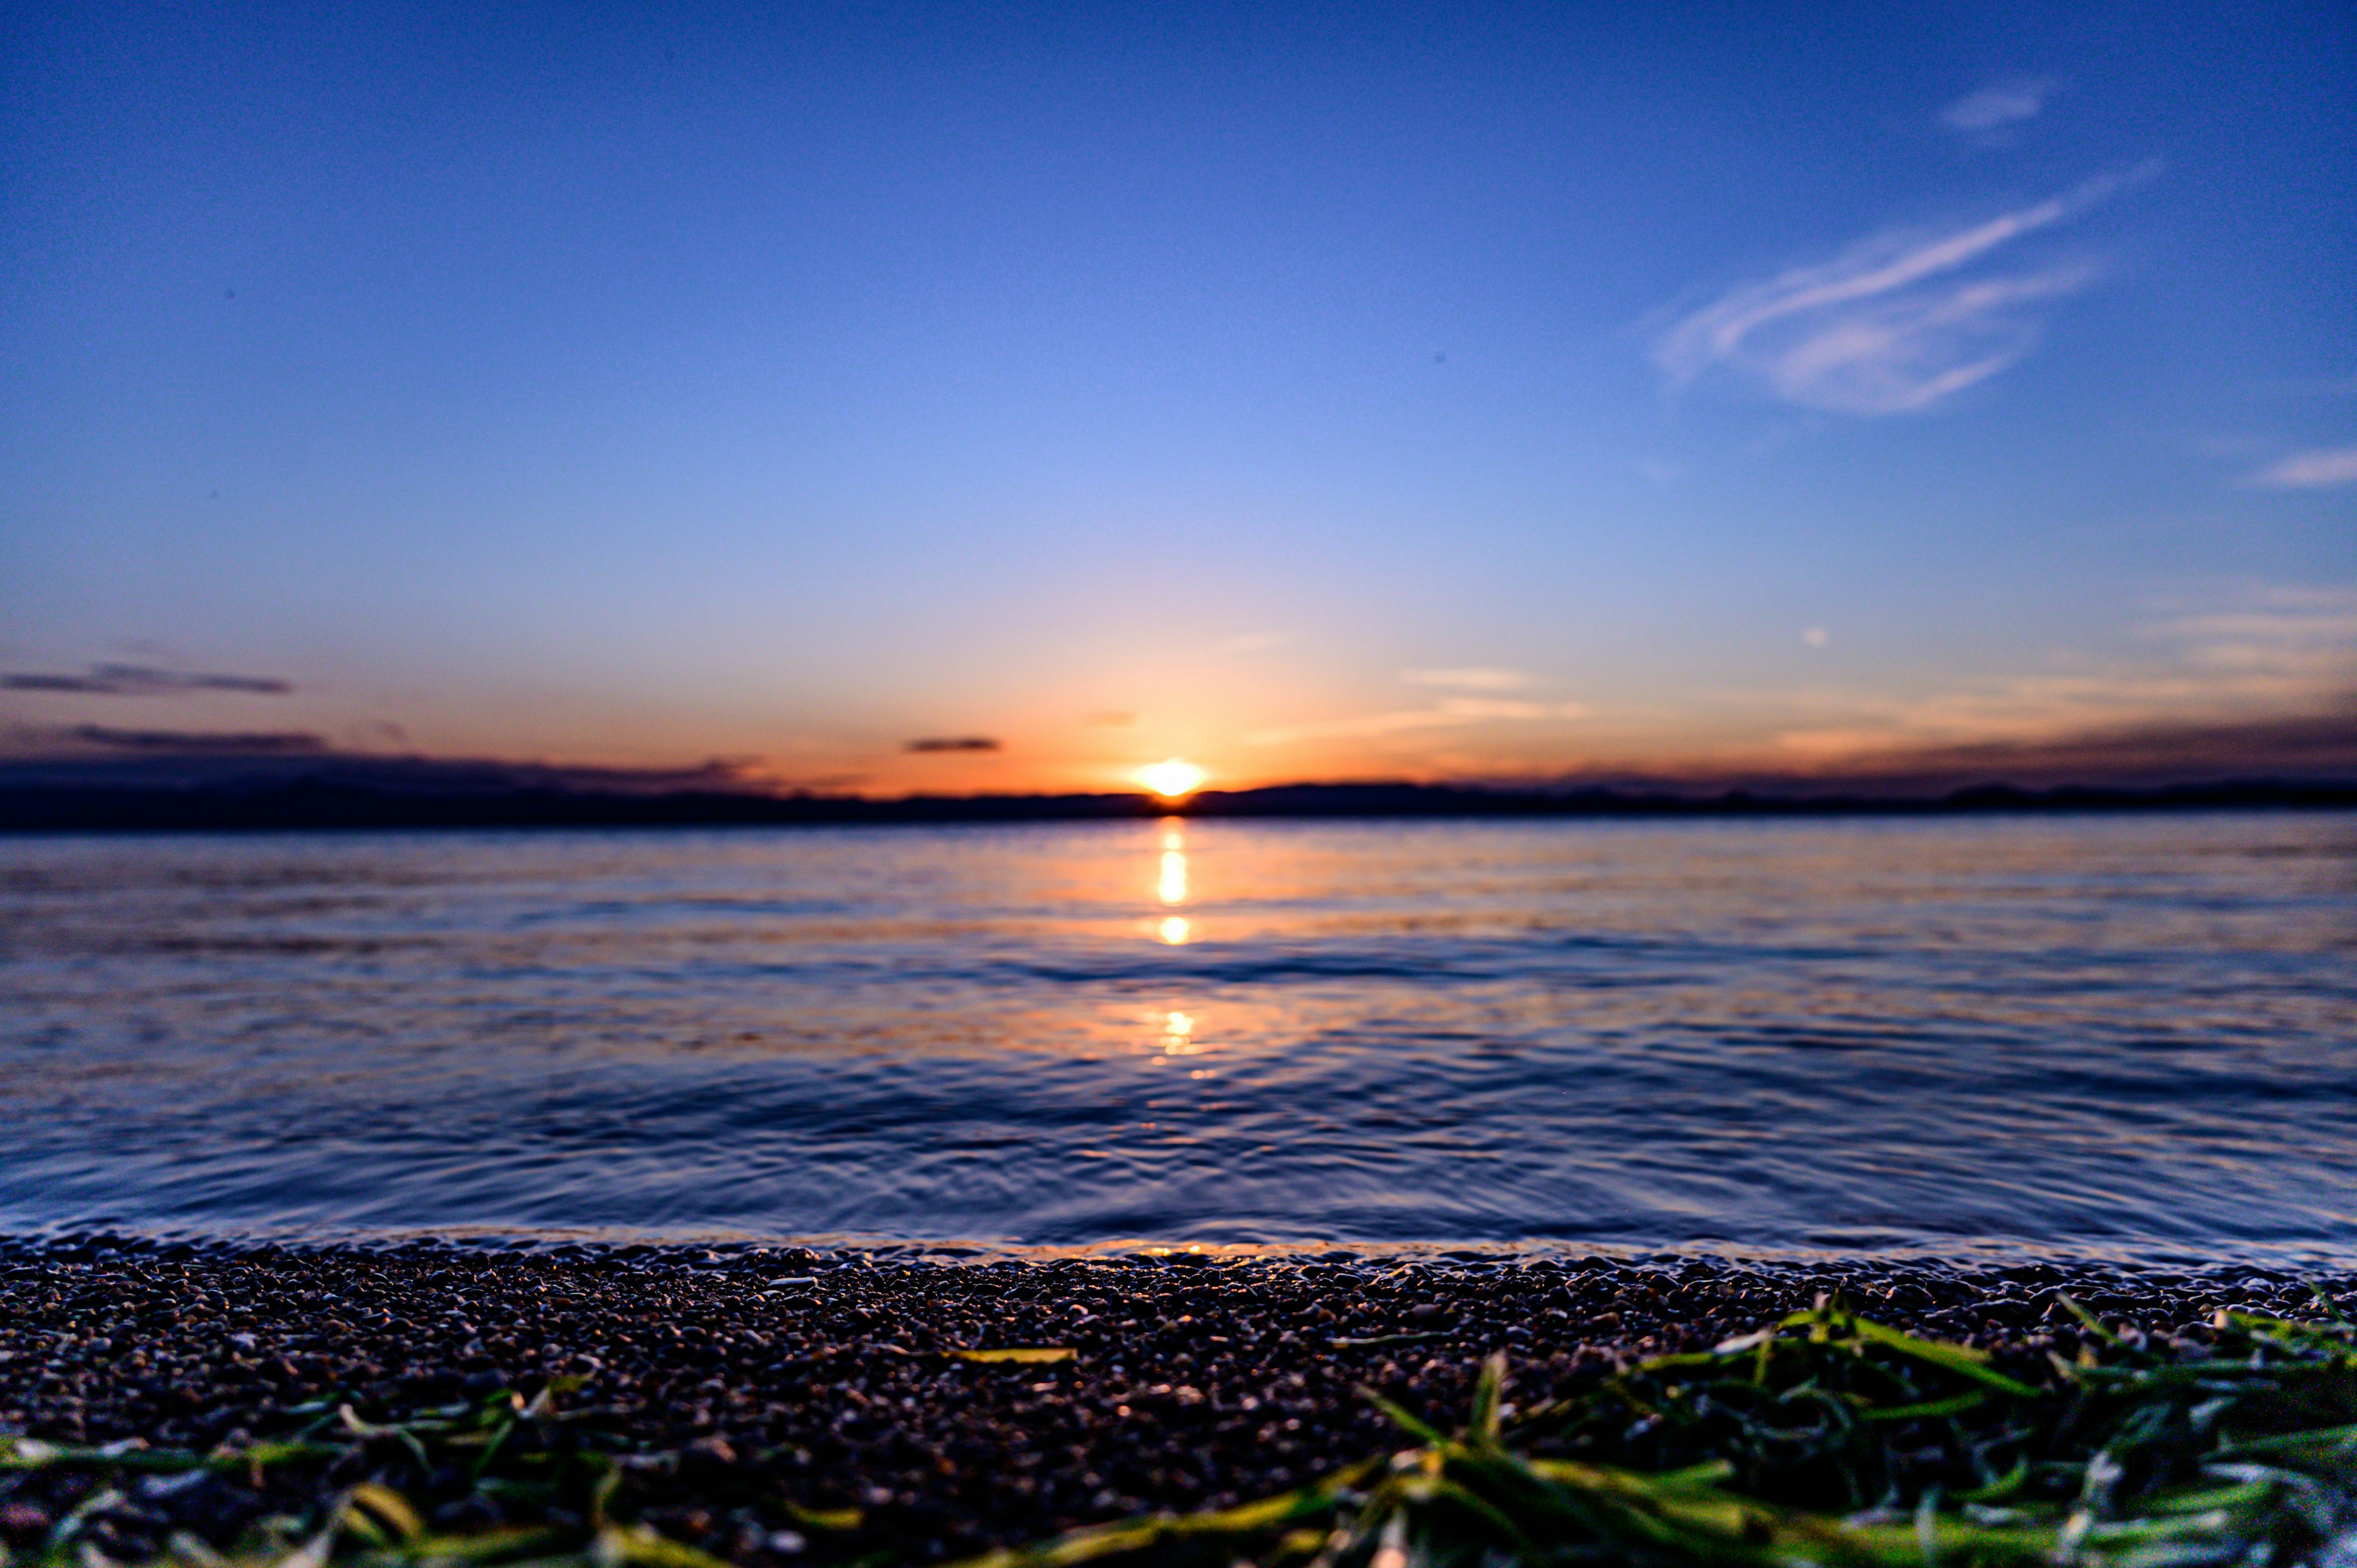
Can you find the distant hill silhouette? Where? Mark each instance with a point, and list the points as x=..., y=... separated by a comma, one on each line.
x=278, y=792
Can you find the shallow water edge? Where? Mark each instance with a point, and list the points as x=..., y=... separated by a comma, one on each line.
x=721, y=1254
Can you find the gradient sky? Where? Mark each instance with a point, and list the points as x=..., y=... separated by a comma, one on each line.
x=1313, y=392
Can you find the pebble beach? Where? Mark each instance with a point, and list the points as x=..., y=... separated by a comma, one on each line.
x=861, y=1393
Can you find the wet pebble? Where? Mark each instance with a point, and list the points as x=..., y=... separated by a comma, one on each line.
x=831, y=1379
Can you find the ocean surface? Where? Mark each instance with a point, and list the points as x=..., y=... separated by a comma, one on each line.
x=2124, y=1037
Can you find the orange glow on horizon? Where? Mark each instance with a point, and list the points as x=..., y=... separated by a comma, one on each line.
x=1172, y=779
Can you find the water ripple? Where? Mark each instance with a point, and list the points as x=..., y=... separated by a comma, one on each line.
x=2094, y=1034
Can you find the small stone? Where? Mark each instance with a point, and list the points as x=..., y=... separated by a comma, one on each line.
x=23, y=1518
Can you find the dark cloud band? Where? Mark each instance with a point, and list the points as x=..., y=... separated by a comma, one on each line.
x=288, y=743
x=141, y=680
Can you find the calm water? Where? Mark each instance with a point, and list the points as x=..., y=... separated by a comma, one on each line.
x=2107, y=1035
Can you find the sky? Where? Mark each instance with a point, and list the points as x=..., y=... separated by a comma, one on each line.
x=936, y=397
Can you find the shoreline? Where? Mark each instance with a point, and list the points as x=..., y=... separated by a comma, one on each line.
x=2161, y=1260
x=837, y=1384
x=304, y=792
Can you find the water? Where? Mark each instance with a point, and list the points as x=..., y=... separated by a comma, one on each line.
x=2123, y=1036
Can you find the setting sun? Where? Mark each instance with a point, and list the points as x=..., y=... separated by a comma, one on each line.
x=1172, y=779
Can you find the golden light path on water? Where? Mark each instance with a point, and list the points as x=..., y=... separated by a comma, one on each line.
x=1177, y=1029
x=1173, y=885
x=1171, y=889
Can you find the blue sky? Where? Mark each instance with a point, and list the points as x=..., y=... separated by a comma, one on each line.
x=1469, y=391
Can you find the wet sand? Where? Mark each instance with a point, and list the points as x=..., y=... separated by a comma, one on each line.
x=831, y=1381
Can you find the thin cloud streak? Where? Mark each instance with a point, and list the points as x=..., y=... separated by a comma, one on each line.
x=201, y=742
x=2320, y=743
x=2310, y=470
x=1454, y=712
x=1887, y=326
x=2006, y=102
x=1472, y=678
x=2285, y=654
x=141, y=680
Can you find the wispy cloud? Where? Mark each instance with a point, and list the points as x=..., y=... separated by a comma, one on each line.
x=1449, y=713
x=2305, y=638
x=1896, y=322
x=2310, y=470
x=2270, y=654
x=2003, y=103
x=199, y=742
x=1471, y=678
x=954, y=742
x=140, y=681
x=2321, y=743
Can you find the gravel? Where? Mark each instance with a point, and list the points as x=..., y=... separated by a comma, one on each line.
x=783, y=1377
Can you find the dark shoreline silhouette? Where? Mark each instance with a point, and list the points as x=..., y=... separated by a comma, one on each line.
x=356, y=794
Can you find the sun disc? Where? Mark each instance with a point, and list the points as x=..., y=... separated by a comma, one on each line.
x=1171, y=779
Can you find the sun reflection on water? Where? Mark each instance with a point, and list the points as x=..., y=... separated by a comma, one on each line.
x=1170, y=886
x=1173, y=885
